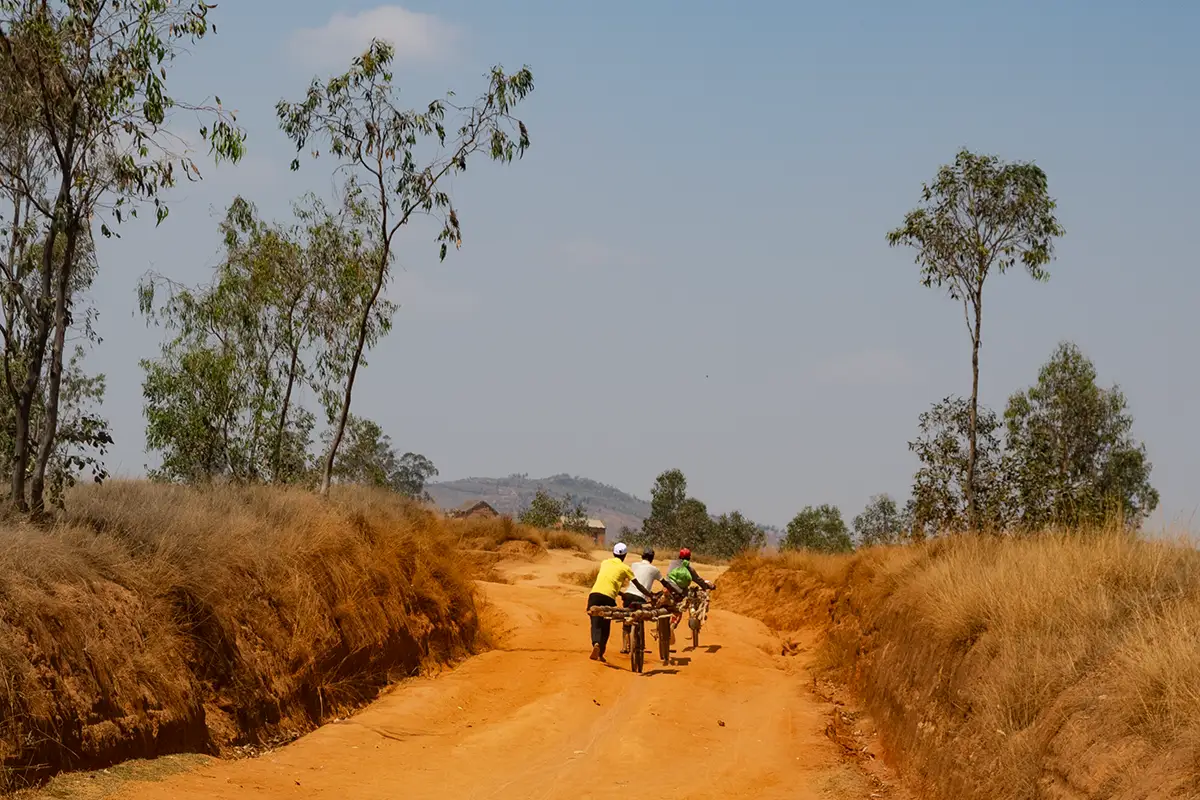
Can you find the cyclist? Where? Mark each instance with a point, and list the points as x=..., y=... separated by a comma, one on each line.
x=680, y=574
x=646, y=574
x=612, y=576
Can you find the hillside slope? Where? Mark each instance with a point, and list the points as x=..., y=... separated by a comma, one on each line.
x=510, y=495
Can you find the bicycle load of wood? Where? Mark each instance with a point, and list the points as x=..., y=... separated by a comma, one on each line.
x=659, y=611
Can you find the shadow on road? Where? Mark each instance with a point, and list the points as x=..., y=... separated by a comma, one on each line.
x=663, y=671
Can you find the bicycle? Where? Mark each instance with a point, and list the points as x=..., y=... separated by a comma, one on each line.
x=697, y=606
x=659, y=610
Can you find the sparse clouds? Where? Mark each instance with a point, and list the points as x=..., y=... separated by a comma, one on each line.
x=871, y=367
x=416, y=36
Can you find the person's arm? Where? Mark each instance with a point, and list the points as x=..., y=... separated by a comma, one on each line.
x=696, y=577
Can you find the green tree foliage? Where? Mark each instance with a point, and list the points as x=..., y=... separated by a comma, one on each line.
x=732, y=533
x=192, y=401
x=667, y=497
x=380, y=148
x=219, y=400
x=369, y=459
x=979, y=215
x=940, y=496
x=542, y=512
x=83, y=435
x=85, y=109
x=574, y=515
x=693, y=525
x=820, y=528
x=880, y=523
x=1069, y=456
x=677, y=520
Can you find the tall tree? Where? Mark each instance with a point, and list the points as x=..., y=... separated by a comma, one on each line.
x=820, y=528
x=90, y=76
x=1070, y=456
x=980, y=215
x=377, y=144
x=880, y=523
x=218, y=401
x=666, y=498
x=940, y=493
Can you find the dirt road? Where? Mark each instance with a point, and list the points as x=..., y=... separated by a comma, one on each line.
x=536, y=719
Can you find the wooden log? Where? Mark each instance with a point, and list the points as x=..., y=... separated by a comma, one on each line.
x=611, y=612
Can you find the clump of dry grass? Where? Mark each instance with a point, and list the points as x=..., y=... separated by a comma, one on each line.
x=1055, y=666
x=498, y=534
x=585, y=578
x=566, y=540
x=157, y=619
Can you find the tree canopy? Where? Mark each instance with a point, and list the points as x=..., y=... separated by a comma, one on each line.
x=818, y=528
x=1070, y=458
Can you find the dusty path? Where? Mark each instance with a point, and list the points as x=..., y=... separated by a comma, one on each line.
x=536, y=719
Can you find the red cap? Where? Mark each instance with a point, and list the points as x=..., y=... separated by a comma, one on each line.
x=685, y=553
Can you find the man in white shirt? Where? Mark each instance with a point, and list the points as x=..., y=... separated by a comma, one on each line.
x=646, y=574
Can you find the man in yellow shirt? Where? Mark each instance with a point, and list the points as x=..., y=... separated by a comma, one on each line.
x=611, y=578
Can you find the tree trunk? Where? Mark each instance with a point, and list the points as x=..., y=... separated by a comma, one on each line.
x=36, y=353
x=283, y=414
x=973, y=421
x=294, y=342
x=62, y=320
x=364, y=321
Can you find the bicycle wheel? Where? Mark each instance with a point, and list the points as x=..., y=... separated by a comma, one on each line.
x=694, y=624
x=664, y=640
x=637, y=649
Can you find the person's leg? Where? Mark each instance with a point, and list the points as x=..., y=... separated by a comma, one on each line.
x=604, y=633
x=600, y=625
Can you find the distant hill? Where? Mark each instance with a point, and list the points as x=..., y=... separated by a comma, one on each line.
x=512, y=494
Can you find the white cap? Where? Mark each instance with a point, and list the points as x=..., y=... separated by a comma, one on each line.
x=619, y=549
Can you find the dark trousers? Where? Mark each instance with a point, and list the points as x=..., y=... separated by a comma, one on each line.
x=601, y=626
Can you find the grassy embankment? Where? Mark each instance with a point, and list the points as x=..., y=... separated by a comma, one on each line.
x=1053, y=667
x=157, y=619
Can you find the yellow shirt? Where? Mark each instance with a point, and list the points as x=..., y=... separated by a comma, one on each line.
x=613, y=575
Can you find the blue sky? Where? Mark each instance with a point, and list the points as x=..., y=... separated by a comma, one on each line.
x=689, y=267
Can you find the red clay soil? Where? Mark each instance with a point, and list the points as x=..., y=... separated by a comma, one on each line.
x=535, y=718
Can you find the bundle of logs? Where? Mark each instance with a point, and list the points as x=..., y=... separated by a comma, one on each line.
x=612, y=612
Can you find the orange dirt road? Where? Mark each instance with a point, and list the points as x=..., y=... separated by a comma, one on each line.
x=536, y=719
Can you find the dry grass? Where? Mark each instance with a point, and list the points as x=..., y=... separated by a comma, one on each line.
x=158, y=619
x=1053, y=667
x=498, y=535
x=585, y=578
x=566, y=540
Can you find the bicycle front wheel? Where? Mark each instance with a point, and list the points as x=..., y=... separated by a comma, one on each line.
x=637, y=649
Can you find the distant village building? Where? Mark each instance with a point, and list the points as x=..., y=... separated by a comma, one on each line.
x=473, y=509
x=595, y=529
